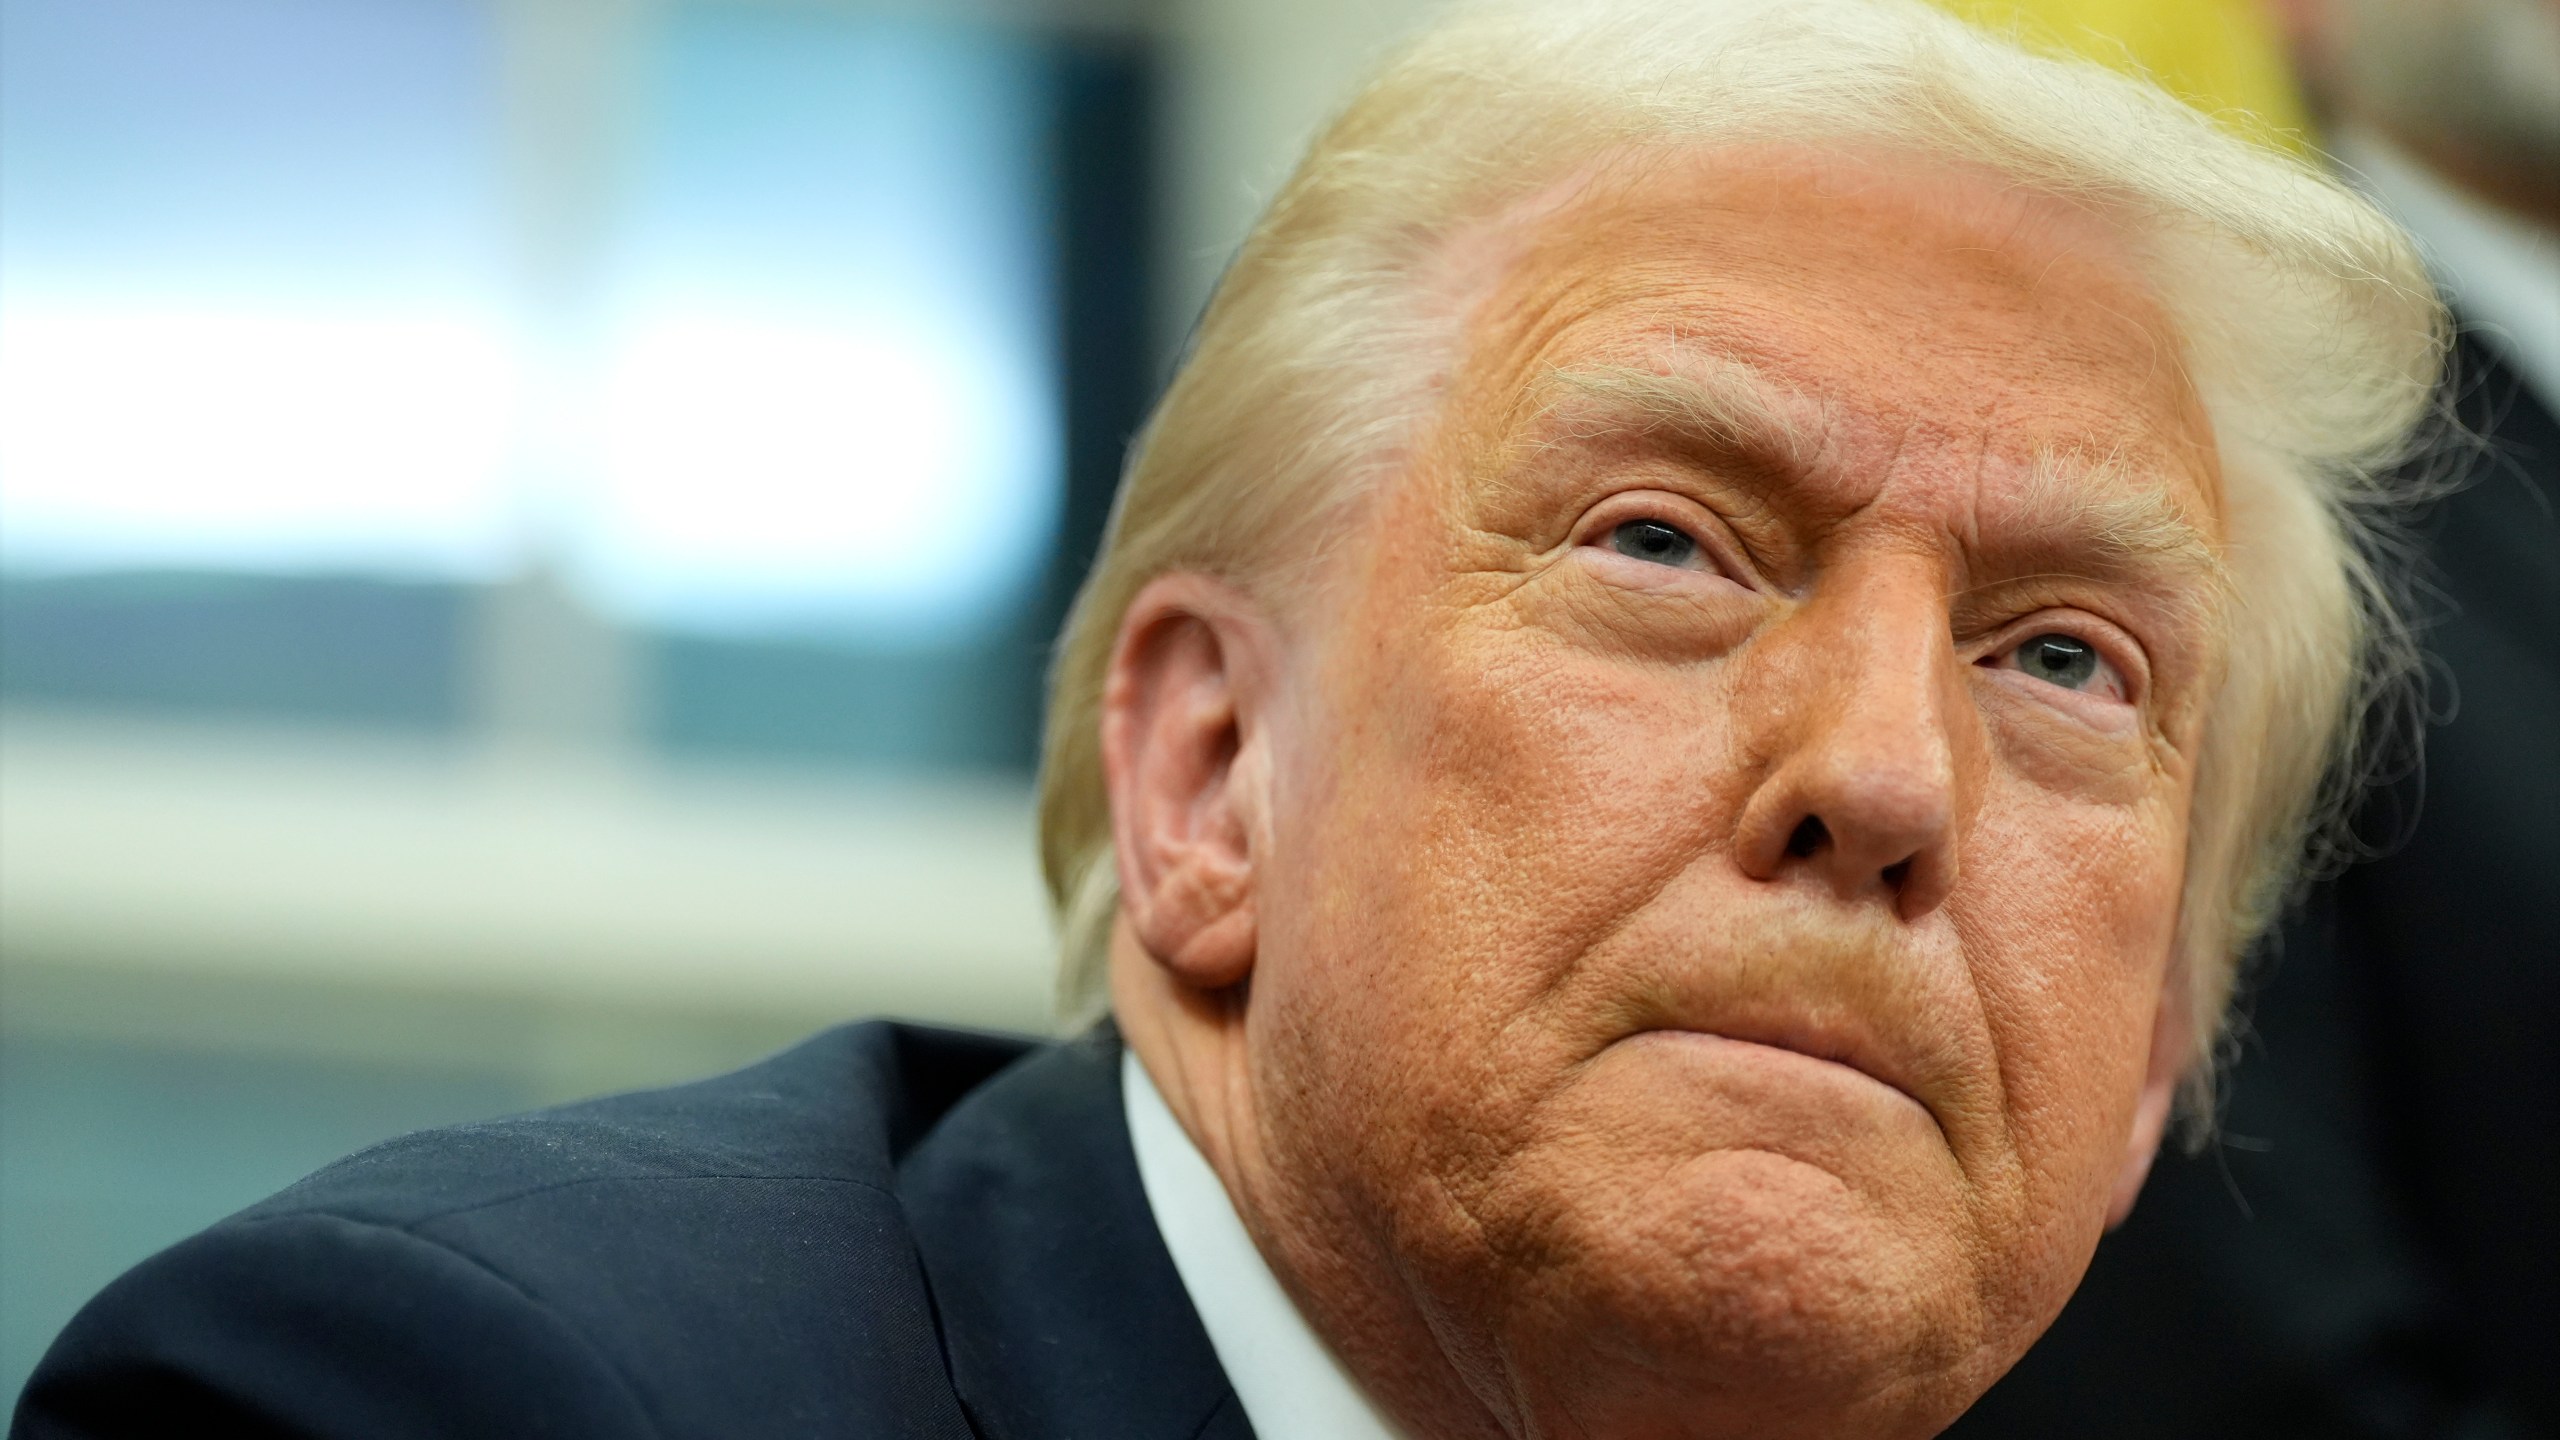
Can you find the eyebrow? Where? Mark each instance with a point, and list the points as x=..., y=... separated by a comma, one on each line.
x=2102, y=518
x=1718, y=406
x=2095, y=518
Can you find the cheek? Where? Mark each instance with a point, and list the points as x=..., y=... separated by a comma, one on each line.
x=1507, y=798
x=1483, y=806
x=2068, y=914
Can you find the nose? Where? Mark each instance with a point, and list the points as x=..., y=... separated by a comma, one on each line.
x=1863, y=790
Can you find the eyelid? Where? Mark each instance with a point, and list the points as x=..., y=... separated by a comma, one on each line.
x=1715, y=541
x=2113, y=645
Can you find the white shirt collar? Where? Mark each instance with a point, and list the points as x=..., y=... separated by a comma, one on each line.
x=2502, y=271
x=1291, y=1386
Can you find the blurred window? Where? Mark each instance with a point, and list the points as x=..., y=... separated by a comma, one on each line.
x=736, y=317
x=829, y=379
x=248, y=302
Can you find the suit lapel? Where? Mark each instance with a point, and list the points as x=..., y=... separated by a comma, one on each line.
x=1061, y=1313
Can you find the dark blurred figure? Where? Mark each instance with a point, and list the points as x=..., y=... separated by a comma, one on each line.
x=2374, y=1248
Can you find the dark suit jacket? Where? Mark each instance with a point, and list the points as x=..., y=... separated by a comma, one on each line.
x=2375, y=1252
x=889, y=1231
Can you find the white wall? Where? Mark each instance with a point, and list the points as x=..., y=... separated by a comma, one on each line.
x=150, y=869
x=1252, y=81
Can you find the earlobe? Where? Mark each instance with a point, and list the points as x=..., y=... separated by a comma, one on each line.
x=1184, y=756
x=2169, y=1050
x=2150, y=1122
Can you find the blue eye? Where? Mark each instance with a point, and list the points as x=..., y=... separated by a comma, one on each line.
x=1652, y=540
x=2059, y=660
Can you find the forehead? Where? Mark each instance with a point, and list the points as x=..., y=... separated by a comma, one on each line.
x=1905, y=308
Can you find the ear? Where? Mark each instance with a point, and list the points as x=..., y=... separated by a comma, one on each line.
x=1185, y=755
x=2171, y=1045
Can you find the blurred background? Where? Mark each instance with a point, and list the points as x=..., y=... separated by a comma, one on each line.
x=528, y=535
x=529, y=532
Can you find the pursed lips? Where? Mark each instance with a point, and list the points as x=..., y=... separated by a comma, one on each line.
x=1847, y=1047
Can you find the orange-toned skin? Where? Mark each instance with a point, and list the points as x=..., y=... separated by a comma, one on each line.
x=1461, y=923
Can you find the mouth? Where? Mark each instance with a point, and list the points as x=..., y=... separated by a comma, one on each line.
x=1838, y=1053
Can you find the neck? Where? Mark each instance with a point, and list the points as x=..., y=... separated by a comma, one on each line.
x=1195, y=1048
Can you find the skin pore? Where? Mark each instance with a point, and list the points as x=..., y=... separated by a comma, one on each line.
x=1671, y=938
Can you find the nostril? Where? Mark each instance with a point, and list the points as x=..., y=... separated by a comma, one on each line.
x=1896, y=873
x=1810, y=836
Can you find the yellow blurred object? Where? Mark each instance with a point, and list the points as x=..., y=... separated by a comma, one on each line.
x=2221, y=56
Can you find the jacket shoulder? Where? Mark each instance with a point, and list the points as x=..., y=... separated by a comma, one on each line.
x=718, y=1258
x=838, y=1108
x=316, y=1325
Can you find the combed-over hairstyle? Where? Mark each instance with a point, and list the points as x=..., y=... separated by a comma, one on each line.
x=2308, y=326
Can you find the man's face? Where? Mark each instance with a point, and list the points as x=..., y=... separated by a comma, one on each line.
x=1721, y=881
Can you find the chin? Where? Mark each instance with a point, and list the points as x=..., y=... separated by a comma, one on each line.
x=1753, y=1283
x=1752, y=1273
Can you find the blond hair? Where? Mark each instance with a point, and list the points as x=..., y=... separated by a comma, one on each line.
x=2310, y=332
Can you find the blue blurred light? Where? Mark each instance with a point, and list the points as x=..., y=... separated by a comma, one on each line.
x=259, y=309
